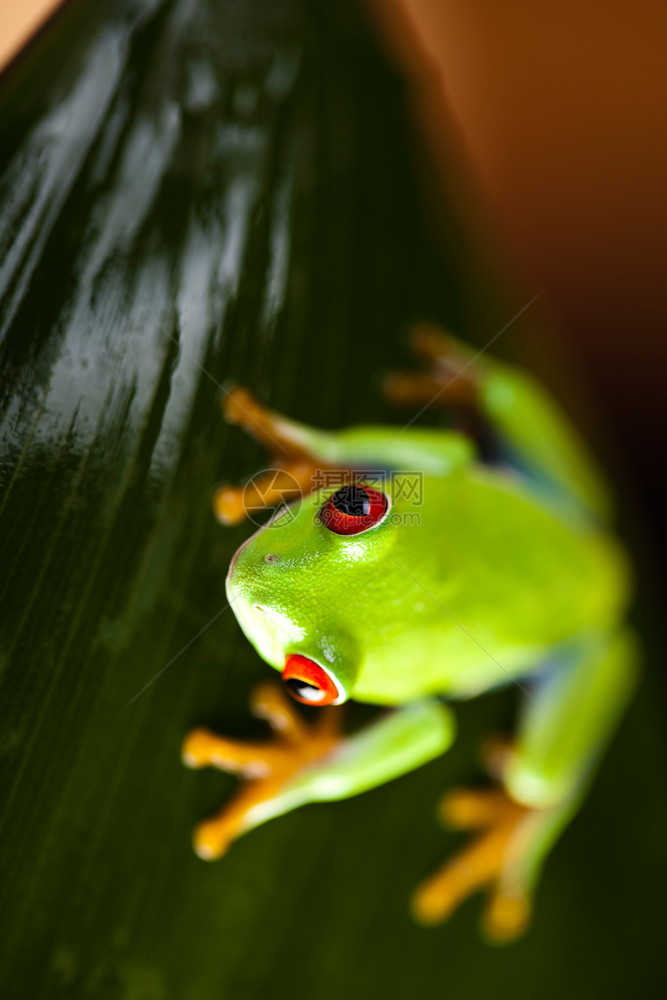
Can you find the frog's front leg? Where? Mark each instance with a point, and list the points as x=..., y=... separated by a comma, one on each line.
x=292, y=457
x=310, y=763
x=542, y=778
x=267, y=767
x=304, y=459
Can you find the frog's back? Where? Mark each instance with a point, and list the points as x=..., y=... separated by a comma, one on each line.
x=499, y=564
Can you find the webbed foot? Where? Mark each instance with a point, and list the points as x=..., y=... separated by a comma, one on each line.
x=450, y=378
x=293, y=467
x=493, y=861
x=265, y=766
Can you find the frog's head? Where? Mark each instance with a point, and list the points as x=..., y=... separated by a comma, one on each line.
x=299, y=586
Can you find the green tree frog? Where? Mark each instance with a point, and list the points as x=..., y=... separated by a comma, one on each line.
x=501, y=572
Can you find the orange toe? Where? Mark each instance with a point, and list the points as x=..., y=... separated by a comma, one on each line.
x=506, y=916
x=265, y=766
x=450, y=378
x=293, y=472
x=482, y=864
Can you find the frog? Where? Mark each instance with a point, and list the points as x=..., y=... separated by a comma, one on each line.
x=412, y=567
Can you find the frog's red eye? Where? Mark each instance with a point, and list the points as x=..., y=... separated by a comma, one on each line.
x=308, y=682
x=352, y=509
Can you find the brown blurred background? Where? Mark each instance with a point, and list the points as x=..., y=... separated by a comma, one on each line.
x=561, y=112
x=19, y=19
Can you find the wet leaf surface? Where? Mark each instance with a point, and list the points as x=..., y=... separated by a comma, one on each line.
x=193, y=192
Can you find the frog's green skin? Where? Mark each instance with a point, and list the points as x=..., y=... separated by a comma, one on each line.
x=499, y=576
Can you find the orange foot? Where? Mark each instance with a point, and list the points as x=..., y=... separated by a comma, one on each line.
x=450, y=379
x=293, y=467
x=266, y=766
x=492, y=861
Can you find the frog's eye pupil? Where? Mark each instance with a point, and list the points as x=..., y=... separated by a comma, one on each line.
x=352, y=500
x=305, y=691
x=353, y=509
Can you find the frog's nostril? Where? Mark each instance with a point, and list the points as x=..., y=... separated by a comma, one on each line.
x=272, y=557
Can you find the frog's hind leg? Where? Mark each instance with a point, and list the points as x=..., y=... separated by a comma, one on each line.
x=504, y=859
x=527, y=426
x=541, y=777
x=450, y=379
